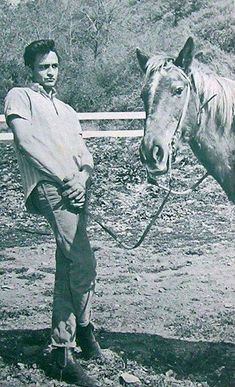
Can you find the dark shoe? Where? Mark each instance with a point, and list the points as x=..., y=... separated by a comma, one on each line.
x=70, y=370
x=87, y=342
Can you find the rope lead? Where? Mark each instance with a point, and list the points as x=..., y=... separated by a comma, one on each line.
x=119, y=241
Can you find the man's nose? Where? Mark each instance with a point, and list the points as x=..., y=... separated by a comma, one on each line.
x=50, y=71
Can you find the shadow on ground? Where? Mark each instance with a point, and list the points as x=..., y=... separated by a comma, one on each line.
x=213, y=362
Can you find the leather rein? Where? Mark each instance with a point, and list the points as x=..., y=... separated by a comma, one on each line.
x=120, y=241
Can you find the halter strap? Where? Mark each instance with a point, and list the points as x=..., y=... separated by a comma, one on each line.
x=199, y=113
x=177, y=133
x=178, y=129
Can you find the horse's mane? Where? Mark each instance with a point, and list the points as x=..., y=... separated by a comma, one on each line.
x=222, y=107
x=207, y=83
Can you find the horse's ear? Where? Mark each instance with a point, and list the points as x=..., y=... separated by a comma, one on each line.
x=142, y=59
x=185, y=56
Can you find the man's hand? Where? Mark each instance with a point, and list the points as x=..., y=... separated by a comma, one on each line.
x=75, y=190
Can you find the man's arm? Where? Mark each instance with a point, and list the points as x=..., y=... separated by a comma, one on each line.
x=86, y=161
x=44, y=158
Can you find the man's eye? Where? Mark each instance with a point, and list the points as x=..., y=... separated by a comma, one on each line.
x=55, y=66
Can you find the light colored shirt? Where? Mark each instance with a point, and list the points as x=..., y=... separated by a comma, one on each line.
x=55, y=126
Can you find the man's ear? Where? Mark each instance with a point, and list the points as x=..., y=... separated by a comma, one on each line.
x=185, y=56
x=142, y=59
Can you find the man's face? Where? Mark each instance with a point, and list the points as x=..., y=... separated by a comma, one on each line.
x=45, y=70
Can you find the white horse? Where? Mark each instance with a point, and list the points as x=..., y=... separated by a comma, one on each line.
x=182, y=96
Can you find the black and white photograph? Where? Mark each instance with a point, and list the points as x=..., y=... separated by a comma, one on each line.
x=117, y=190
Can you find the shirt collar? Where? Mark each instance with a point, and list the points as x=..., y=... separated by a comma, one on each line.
x=39, y=89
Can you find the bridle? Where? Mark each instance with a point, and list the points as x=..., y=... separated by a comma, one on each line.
x=178, y=133
x=172, y=148
x=178, y=130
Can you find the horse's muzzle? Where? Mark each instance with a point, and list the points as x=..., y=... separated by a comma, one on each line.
x=157, y=164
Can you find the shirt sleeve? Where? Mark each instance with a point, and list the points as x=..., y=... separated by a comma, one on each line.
x=17, y=103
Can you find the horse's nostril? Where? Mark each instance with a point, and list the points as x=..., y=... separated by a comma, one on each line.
x=158, y=153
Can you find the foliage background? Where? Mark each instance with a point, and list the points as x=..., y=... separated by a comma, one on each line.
x=97, y=41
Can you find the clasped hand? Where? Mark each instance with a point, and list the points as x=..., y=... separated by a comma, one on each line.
x=74, y=189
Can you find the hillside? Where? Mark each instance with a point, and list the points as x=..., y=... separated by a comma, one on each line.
x=97, y=41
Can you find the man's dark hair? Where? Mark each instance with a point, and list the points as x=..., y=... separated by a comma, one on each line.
x=43, y=46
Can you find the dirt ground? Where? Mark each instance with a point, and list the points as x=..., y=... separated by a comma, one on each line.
x=164, y=312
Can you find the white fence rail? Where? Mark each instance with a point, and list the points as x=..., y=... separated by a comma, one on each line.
x=96, y=116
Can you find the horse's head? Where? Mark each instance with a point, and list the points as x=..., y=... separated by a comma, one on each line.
x=165, y=95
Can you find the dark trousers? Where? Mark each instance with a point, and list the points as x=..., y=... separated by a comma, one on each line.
x=75, y=264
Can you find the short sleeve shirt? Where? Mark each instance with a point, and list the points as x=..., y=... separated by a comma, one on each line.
x=53, y=122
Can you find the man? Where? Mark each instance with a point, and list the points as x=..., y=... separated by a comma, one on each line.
x=56, y=166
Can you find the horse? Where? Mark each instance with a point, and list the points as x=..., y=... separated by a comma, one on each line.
x=184, y=98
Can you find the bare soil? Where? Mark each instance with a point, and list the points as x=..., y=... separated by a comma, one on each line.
x=164, y=312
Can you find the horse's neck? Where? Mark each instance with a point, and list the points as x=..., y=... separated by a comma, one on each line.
x=213, y=139
x=208, y=85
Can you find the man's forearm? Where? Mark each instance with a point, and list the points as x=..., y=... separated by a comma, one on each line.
x=87, y=165
x=46, y=161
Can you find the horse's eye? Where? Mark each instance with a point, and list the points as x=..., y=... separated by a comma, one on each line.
x=178, y=91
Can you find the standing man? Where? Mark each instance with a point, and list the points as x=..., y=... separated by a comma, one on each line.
x=55, y=167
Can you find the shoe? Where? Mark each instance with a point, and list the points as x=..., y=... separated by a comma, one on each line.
x=87, y=342
x=70, y=370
